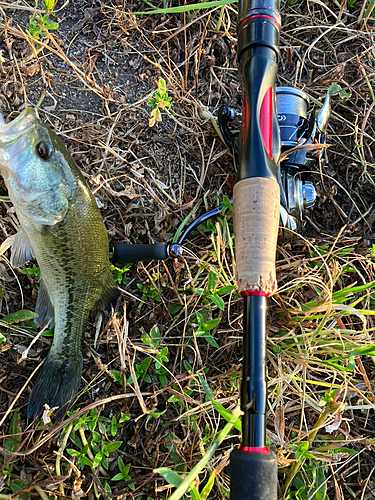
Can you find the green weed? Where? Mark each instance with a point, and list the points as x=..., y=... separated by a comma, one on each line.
x=123, y=474
x=148, y=293
x=40, y=24
x=92, y=438
x=119, y=274
x=11, y=444
x=213, y=293
x=369, y=10
x=160, y=101
x=187, y=484
x=19, y=317
x=31, y=271
x=202, y=327
x=187, y=7
x=335, y=89
x=160, y=373
x=311, y=483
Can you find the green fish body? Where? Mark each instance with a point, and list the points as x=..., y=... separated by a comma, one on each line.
x=61, y=226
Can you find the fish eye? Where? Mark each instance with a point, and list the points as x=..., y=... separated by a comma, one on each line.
x=44, y=150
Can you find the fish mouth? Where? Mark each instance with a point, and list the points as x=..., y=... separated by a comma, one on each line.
x=10, y=132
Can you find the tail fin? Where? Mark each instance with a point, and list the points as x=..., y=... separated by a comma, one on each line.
x=57, y=383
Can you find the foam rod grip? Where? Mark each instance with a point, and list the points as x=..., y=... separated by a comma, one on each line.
x=256, y=213
x=253, y=476
x=126, y=254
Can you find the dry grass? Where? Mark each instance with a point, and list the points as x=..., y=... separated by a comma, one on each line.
x=98, y=72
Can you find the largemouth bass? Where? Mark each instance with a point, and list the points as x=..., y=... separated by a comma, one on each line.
x=61, y=226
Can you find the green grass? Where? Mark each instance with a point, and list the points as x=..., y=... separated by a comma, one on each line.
x=187, y=8
x=316, y=351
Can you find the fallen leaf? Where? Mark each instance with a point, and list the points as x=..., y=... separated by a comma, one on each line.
x=31, y=70
x=77, y=490
x=335, y=425
x=279, y=422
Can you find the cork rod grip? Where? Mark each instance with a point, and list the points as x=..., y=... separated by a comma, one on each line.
x=256, y=202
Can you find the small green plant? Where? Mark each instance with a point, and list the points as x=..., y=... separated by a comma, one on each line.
x=188, y=483
x=149, y=292
x=11, y=444
x=184, y=8
x=20, y=317
x=204, y=326
x=141, y=370
x=153, y=415
x=159, y=101
x=336, y=89
x=371, y=252
x=312, y=484
x=119, y=273
x=209, y=226
x=343, y=254
x=153, y=340
x=213, y=292
x=91, y=436
x=31, y=271
x=40, y=24
x=124, y=473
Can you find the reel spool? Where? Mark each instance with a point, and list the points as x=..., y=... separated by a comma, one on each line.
x=296, y=196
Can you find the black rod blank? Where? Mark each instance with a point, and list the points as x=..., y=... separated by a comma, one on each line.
x=254, y=384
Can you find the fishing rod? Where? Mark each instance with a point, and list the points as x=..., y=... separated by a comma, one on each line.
x=273, y=120
x=256, y=209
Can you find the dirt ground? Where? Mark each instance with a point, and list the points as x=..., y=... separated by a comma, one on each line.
x=98, y=70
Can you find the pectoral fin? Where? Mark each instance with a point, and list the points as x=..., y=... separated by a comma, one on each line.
x=21, y=249
x=44, y=307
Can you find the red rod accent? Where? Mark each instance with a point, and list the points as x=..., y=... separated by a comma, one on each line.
x=245, y=119
x=265, y=121
x=264, y=450
x=260, y=15
x=258, y=293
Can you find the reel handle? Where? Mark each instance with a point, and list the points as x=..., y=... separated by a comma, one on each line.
x=126, y=254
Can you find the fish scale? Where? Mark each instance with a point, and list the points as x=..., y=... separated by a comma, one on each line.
x=61, y=225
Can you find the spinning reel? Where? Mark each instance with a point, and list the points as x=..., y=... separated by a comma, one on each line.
x=296, y=129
